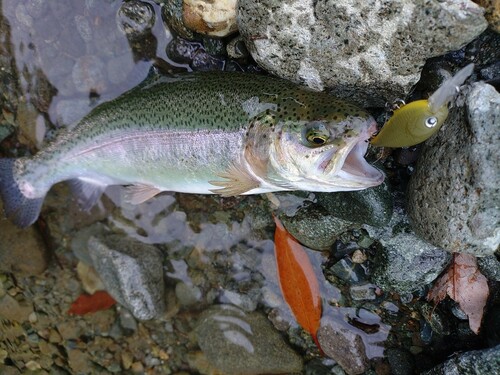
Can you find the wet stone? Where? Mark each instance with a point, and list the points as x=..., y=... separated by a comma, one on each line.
x=401, y=361
x=453, y=196
x=486, y=361
x=236, y=342
x=132, y=273
x=371, y=206
x=314, y=227
x=27, y=257
x=134, y=18
x=363, y=292
x=406, y=263
x=343, y=345
x=489, y=267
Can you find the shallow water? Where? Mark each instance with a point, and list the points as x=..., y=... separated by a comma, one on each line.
x=72, y=55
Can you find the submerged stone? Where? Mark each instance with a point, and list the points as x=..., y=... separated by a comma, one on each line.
x=343, y=345
x=236, y=342
x=475, y=362
x=132, y=273
x=406, y=263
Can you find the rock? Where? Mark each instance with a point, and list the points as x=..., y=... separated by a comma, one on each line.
x=91, y=282
x=369, y=51
x=343, y=345
x=28, y=256
x=363, y=292
x=407, y=263
x=315, y=227
x=492, y=13
x=132, y=273
x=11, y=309
x=476, y=362
x=172, y=15
x=401, y=361
x=210, y=17
x=318, y=224
x=489, y=267
x=371, y=206
x=135, y=18
x=453, y=197
x=236, y=342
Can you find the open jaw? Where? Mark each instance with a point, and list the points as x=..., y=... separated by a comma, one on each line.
x=357, y=169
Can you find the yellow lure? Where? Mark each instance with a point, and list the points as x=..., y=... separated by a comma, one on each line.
x=417, y=121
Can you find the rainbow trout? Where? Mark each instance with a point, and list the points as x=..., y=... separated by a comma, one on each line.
x=204, y=133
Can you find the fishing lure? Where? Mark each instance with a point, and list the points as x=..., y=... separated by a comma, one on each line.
x=417, y=121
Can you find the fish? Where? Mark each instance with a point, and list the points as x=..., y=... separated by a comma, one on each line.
x=225, y=133
x=417, y=121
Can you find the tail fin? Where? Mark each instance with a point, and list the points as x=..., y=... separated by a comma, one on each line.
x=21, y=210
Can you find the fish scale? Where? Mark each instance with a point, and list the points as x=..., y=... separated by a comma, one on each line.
x=227, y=133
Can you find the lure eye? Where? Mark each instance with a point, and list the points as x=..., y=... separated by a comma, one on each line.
x=316, y=134
x=430, y=122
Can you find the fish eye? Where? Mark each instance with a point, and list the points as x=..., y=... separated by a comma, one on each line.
x=316, y=134
x=430, y=122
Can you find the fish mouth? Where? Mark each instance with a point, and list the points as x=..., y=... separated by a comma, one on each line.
x=350, y=165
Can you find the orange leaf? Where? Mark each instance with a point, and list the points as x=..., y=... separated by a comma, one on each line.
x=89, y=303
x=466, y=285
x=298, y=281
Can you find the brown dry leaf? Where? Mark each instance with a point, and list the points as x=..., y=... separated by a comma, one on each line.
x=466, y=285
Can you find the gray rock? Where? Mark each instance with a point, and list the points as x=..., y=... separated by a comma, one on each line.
x=489, y=267
x=315, y=227
x=370, y=206
x=476, y=362
x=401, y=361
x=135, y=18
x=406, y=263
x=343, y=345
x=453, y=197
x=369, y=51
x=132, y=273
x=28, y=256
x=236, y=342
x=318, y=224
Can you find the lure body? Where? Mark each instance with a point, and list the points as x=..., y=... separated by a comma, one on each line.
x=417, y=121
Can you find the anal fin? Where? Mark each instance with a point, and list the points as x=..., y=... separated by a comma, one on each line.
x=87, y=193
x=137, y=194
x=238, y=181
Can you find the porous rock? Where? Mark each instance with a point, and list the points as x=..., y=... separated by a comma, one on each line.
x=454, y=195
x=132, y=273
x=369, y=51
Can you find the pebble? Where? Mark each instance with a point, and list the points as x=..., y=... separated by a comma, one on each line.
x=11, y=309
x=363, y=292
x=343, y=345
x=134, y=18
x=249, y=343
x=21, y=257
x=132, y=273
x=486, y=361
x=91, y=282
x=405, y=263
x=210, y=17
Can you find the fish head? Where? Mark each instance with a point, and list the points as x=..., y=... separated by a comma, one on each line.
x=325, y=153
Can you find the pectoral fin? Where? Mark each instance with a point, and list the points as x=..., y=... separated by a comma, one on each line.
x=238, y=181
x=137, y=194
